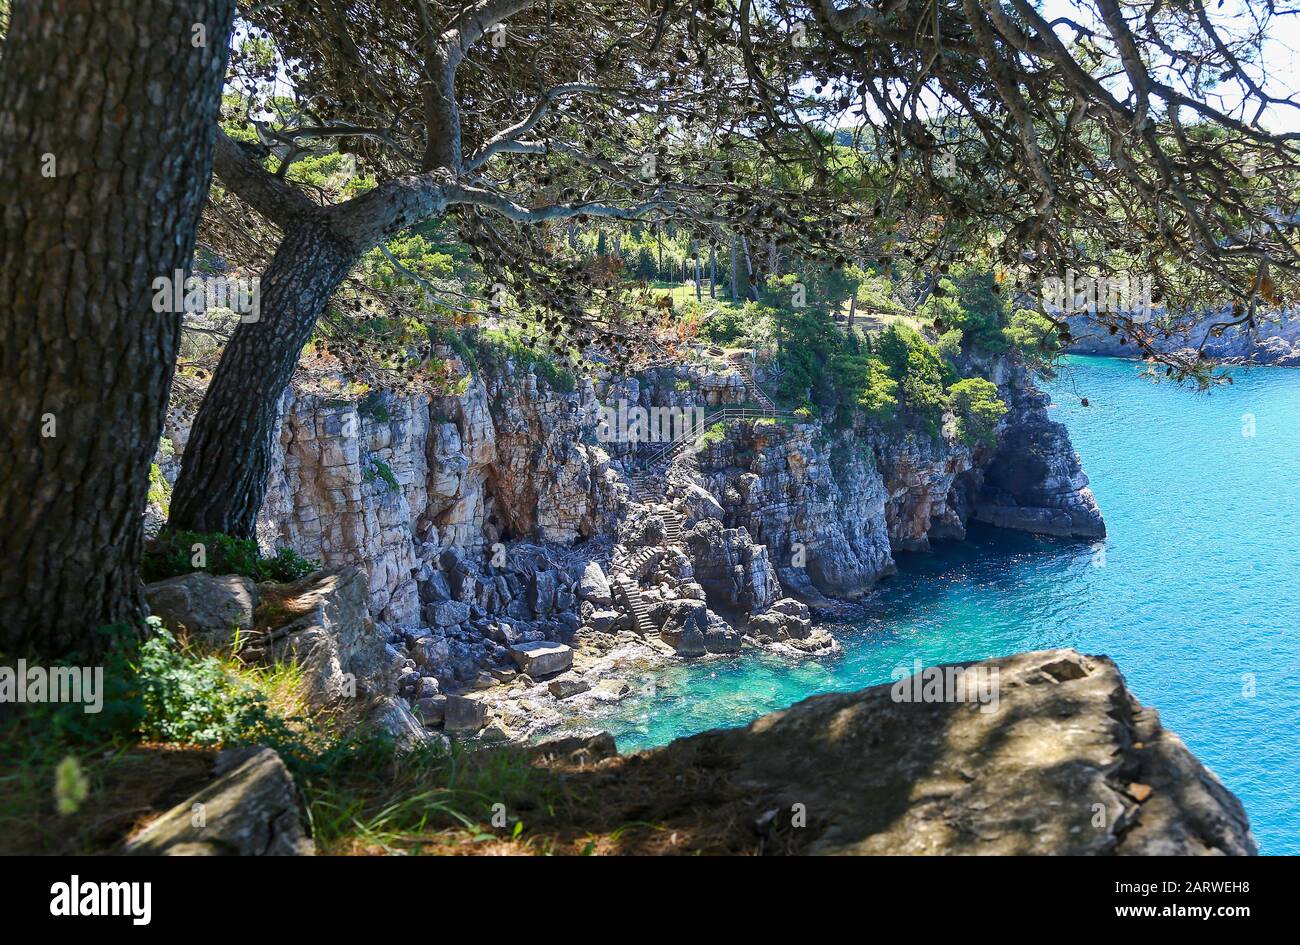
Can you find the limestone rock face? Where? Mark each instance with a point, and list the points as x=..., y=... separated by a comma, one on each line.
x=818, y=507
x=734, y=572
x=251, y=809
x=211, y=607
x=877, y=775
x=1034, y=481
x=322, y=623
x=347, y=481
x=924, y=483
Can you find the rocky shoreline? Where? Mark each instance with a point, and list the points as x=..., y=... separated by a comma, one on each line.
x=1277, y=342
x=516, y=571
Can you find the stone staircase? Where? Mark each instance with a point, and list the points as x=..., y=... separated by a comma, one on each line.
x=630, y=593
x=740, y=360
x=673, y=523
x=625, y=574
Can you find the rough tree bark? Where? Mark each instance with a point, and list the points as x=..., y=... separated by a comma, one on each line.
x=735, y=271
x=108, y=110
x=227, y=457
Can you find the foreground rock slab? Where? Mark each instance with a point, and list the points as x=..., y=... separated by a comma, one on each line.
x=1064, y=761
x=251, y=809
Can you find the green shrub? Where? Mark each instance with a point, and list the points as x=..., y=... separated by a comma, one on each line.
x=160, y=490
x=978, y=408
x=495, y=347
x=915, y=364
x=714, y=434
x=174, y=553
x=191, y=700
x=1034, y=338
x=879, y=393
x=373, y=407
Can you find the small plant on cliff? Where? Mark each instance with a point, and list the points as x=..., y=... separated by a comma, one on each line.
x=160, y=490
x=978, y=409
x=174, y=553
x=373, y=407
x=378, y=469
x=714, y=434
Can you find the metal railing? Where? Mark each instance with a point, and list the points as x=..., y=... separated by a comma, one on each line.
x=718, y=416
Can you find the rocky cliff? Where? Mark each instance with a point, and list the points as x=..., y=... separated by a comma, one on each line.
x=1043, y=753
x=502, y=519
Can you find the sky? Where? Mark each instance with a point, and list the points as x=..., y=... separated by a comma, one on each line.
x=1280, y=72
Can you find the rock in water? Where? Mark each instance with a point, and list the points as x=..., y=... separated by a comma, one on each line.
x=251, y=809
x=541, y=658
x=1067, y=763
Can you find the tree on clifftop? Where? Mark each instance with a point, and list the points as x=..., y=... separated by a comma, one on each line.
x=107, y=119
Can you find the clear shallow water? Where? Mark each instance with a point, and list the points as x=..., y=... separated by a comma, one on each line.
x=1197, y=584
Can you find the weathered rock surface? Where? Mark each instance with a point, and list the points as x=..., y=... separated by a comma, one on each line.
x=817, y=506
x=251, y=809
x=1069, y=763
x=211, y=607
x=323, y=624
x=541, y=658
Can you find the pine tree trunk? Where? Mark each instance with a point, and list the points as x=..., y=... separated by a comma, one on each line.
x=227, y=458
x=108, y=112
x=735, y=270
x=713, y=271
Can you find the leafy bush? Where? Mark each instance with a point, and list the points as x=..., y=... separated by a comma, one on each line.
x=374, y=407
x=191, y=700
x=1034, y=338
x=174, y=553
x=160, y=490
x=879, y=392
x=714, y=434
x=978, y=409
x=916, y=366
x=496, y=347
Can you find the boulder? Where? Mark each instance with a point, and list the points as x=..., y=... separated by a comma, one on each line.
x=542, y=658
x=448, y=613
x=541, y=592
x=564, y=688
x=322, y=623
x=251, y=809
x=212, y=608
x=602, y=621
x=594, y=586
x=462, y=714
x=1048, y=753
x=394, y=718
x=432, y=710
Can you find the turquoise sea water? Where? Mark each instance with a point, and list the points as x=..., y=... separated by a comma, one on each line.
x=1197, y=585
